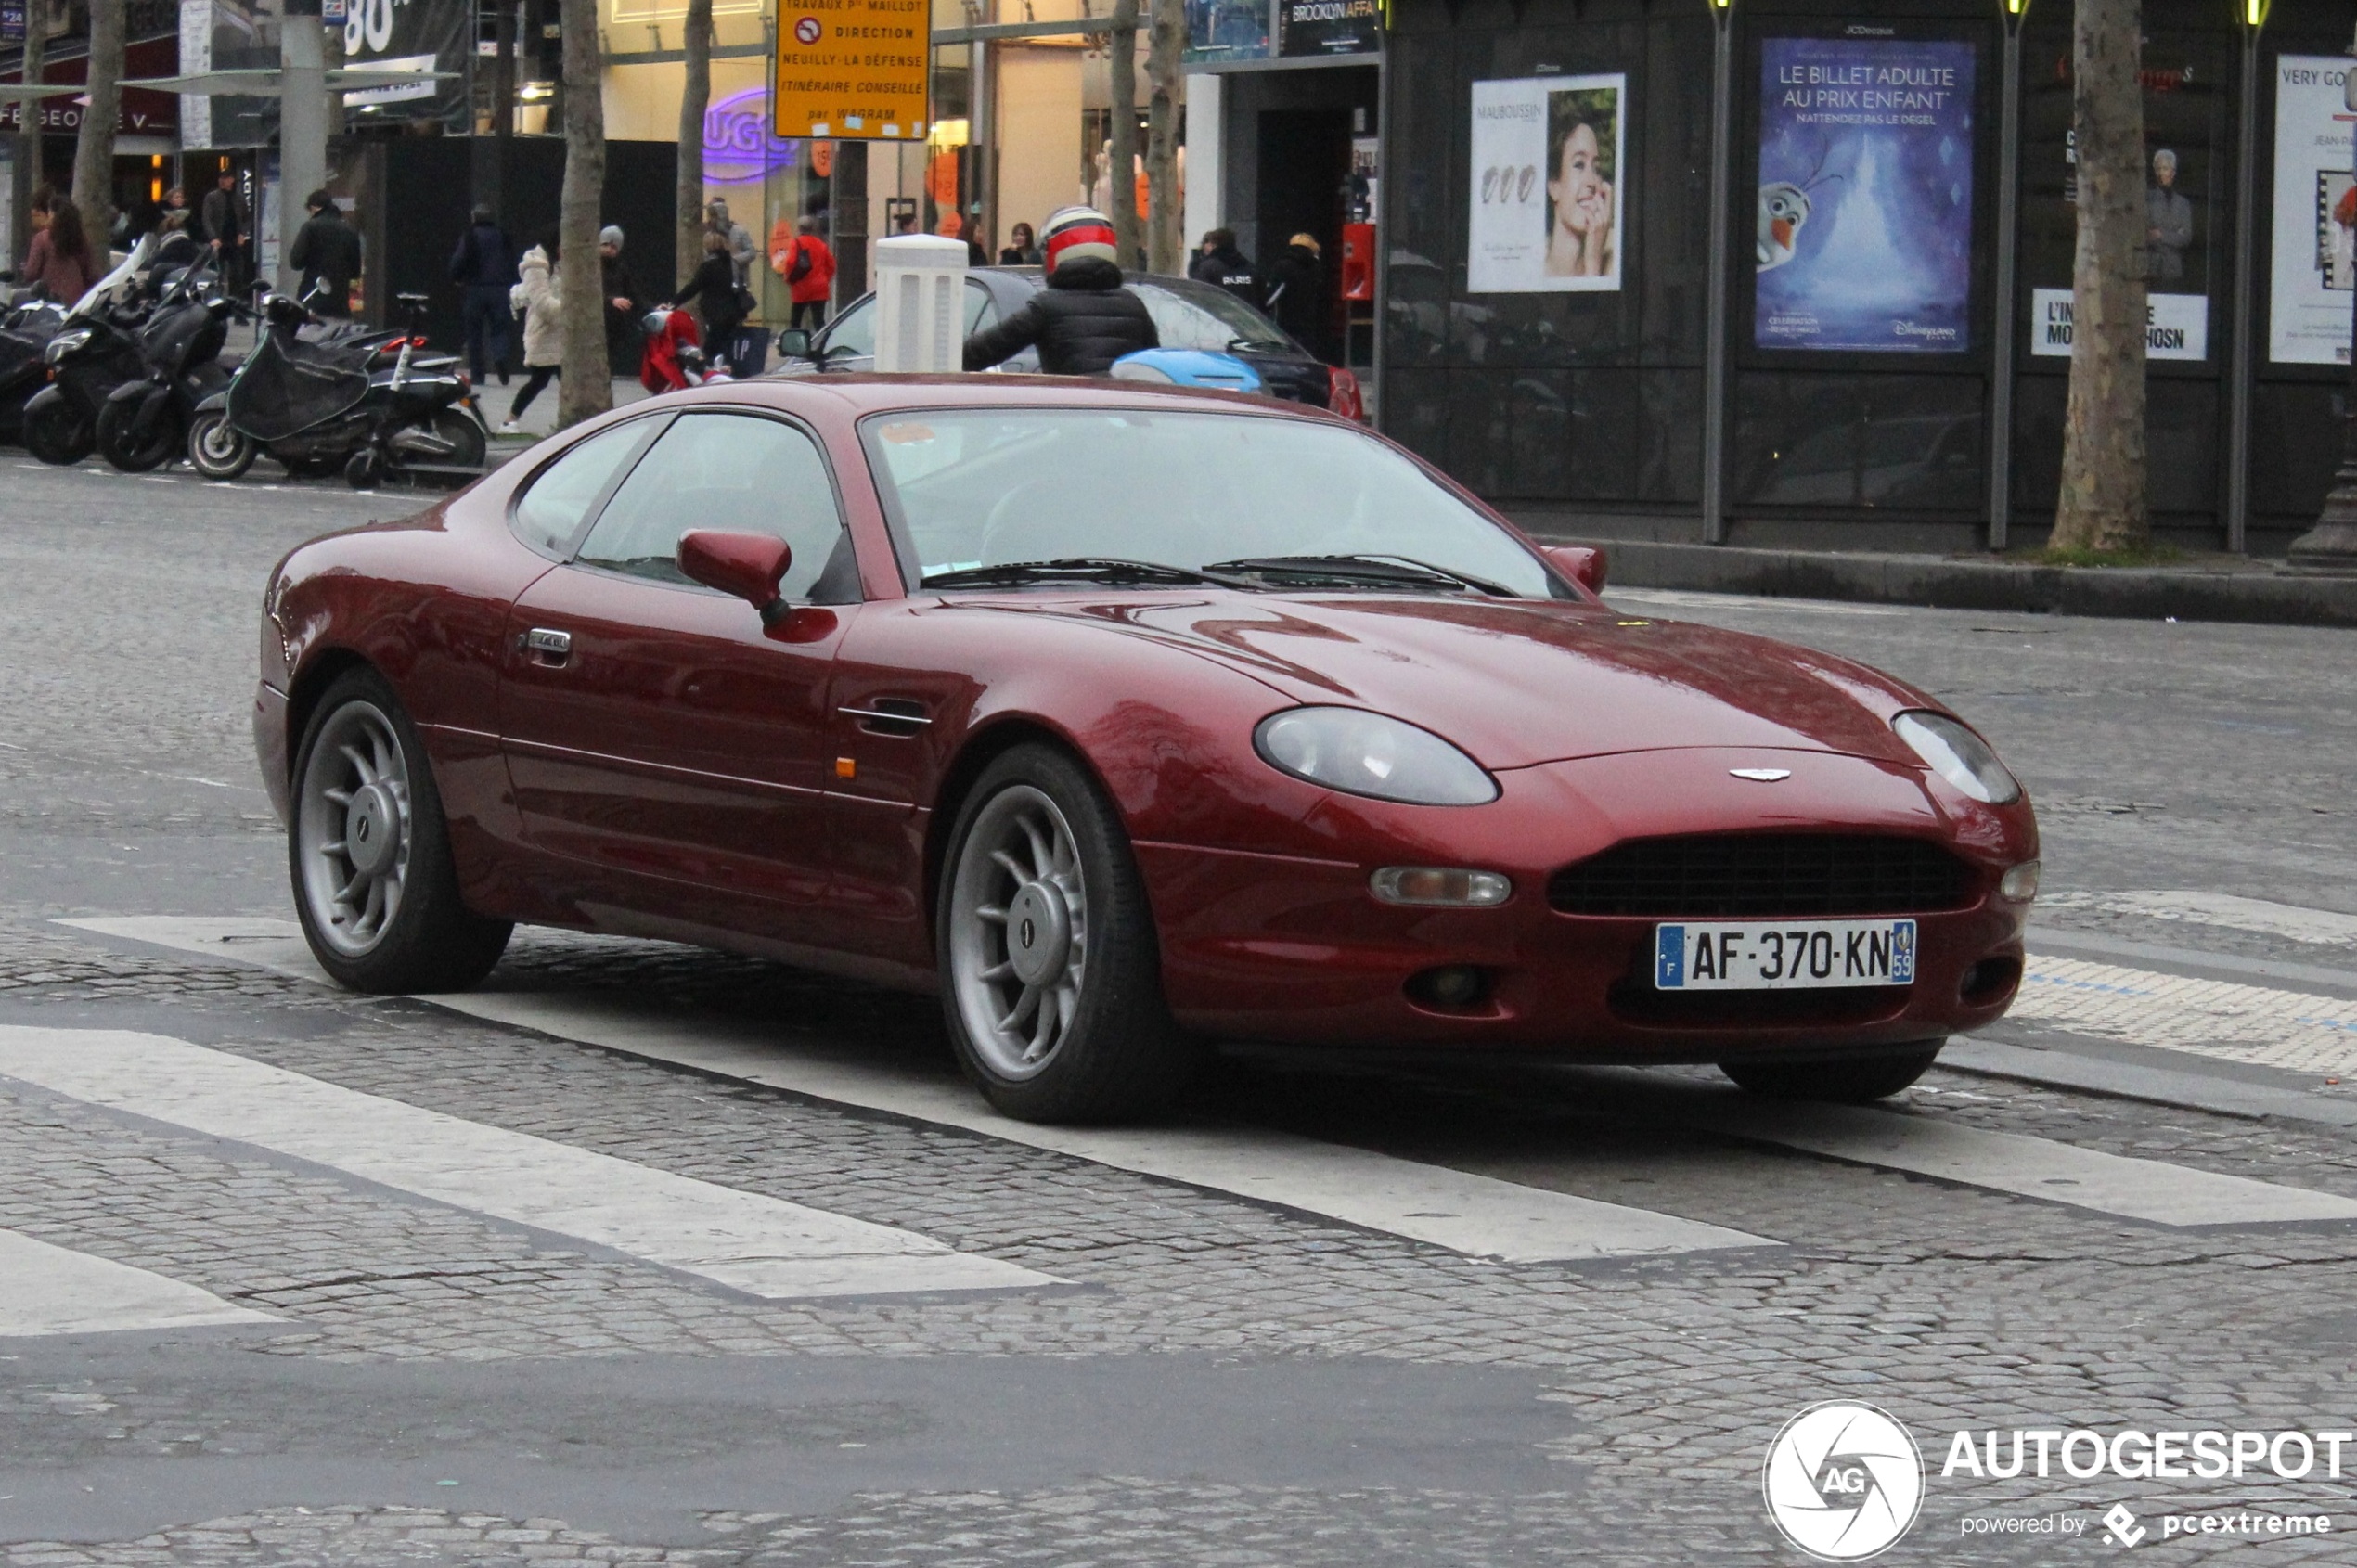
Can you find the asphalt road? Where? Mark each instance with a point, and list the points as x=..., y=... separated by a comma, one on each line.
x=300, y=1305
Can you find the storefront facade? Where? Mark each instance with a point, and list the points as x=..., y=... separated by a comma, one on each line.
x=1548, y=282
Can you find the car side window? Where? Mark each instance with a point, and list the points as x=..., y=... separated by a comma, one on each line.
x=736, y=473
x=549, y=512
x=853, y=334
x=981, y=309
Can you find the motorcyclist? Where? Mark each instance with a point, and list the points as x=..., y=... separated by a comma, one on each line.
x=1084, y=318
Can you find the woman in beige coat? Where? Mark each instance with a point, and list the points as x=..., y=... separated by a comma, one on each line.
x=537, y=301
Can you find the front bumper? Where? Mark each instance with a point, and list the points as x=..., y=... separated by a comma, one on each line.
x=1297, y=950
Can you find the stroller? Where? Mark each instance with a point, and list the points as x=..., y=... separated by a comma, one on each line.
x=674, y=358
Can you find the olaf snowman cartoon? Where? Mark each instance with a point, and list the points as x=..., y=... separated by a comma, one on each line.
x=1784, y=206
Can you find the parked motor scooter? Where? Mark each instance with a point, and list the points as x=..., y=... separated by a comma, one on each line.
x=25, y=331
x=314, y=405
x=145, y=421
x=95, y=351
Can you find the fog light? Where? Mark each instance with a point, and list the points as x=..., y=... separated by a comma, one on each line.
x=1451, y=986
x=2021, y=884
x=1439, y=886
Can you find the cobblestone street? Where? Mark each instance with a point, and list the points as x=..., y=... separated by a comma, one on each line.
x=1268, y=1333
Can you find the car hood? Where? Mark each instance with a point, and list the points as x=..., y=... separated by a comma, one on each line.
x=1521, y=683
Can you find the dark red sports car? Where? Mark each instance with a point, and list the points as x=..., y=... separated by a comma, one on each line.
x=1127, y=719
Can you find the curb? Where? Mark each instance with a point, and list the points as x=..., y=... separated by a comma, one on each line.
x=2270, y=596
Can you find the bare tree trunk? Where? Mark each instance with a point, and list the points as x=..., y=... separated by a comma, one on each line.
x=1164, y=42
x=2103, y=501
x=1121, y=161
x=94, y=152
x=585, y=386
x=36, y=49
x=695, y=98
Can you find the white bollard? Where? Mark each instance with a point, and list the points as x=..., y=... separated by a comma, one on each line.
x=921, y=296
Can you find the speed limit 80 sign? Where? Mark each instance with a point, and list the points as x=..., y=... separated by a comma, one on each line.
x=853, y=69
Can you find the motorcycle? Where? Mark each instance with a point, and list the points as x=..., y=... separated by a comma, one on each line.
x=145, y=420
x=25, y=331
x=95, y=351
x=316, y=404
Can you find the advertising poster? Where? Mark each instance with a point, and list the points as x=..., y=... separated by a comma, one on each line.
x=1865, y=195
x=1329, y=26
x=1226, y=30
x=2315, y=212
x=1548, y=203
x=2176, y=325
x=424, y=37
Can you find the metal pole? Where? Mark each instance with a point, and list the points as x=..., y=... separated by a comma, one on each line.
x=302, y=125
x=1714, y=373
x=2238, y=368
x=2001, y=391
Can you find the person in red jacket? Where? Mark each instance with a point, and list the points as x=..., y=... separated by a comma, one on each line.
x=808, y=267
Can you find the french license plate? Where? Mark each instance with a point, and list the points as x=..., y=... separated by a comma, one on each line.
x=1783, y=955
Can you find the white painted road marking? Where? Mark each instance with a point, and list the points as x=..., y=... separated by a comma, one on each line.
x=2215, y=1018
x=2322, y=926
x=53, y=1289
x=1476, y=1214
x=758, y=1244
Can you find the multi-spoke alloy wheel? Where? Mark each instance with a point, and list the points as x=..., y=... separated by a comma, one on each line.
x=370, y=853
x=1019, y=946
x=353, y=828
x=1051, y=967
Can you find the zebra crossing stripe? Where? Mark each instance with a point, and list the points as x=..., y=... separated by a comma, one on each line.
x=53, y=1289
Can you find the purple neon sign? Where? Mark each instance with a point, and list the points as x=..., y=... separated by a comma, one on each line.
x=738, y=148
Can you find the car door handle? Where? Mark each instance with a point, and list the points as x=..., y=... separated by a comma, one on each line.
x=548, y=646
x=889, y=715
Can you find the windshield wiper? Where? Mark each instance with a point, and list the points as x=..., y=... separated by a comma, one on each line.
x=1088, y=568
x=1387, y=569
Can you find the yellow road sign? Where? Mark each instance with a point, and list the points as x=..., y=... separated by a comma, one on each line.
x=853, y=69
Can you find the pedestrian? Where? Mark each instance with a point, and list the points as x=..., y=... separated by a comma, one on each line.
x=1219, y=263
x=625, y=304
x=808, y=268
x=977, y=254
x=224, y=217
x=1084, y=318
x=1298, y=292
x=738, y=242
x=1022, y=248
x=544, y=333
x=484, y=268
x=60, y=256
x=714, y=287
x=175, y=247
x=327, y=255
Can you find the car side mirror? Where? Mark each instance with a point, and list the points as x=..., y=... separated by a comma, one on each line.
x=1584, y=564
x=749, y=566
x=794, y=342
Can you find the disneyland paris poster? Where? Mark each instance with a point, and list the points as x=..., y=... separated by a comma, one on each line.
x=1865, y=195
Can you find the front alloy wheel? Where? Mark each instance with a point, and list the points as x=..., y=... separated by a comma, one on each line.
x=370, y=853
x=1051, y=965
x=216, y=448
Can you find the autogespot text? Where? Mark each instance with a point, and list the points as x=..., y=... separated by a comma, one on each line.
x=2083, y=1454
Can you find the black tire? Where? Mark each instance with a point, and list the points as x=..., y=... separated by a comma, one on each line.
x=57, y=433
x=365, y=470
x=1844, y=1080
x=1116, y=1053
x=428, y=940
x=468, y=447
x=120, y=447
x=215, y=450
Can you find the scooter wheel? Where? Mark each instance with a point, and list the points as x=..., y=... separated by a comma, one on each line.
x=366, y=469
x=57, y=434
x=216, y=449
x=119, y=446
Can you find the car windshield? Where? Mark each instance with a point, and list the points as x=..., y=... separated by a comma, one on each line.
x=1267, y=500
x=1207, y=318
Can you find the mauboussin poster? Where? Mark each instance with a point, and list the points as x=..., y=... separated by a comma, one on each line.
x=2315, y=213
x=1865, y=195
x=1549, y=203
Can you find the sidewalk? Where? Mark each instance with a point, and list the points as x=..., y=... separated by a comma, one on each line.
x=538, y=420
x=2213, y=588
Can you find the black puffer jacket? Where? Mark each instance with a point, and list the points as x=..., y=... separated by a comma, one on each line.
x=1080, y=323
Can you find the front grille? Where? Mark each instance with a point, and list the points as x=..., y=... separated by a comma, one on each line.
x=1732, y=876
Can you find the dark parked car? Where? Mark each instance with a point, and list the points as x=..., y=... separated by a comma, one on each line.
x=1187, y=315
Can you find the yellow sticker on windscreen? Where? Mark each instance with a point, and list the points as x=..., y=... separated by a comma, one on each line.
x=906, y=434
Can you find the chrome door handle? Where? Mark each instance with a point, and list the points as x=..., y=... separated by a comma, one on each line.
x=553, y=646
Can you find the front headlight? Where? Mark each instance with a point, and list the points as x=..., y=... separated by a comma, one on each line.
x=63, y=344
x=1958, y=755
x=1364, y=754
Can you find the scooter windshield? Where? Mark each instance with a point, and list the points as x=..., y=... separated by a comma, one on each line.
x=104, y=292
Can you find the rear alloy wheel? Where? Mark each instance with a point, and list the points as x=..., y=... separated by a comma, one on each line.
x=1052, y=971
x=1844, y=1080
x=370, y=856
x=56, y=432
x=126, y=451
x=216, y=448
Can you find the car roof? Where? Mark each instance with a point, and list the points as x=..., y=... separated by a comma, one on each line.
x=871, y=394
x=1008, y=283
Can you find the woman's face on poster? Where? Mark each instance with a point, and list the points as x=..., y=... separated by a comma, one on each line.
x=1577, y=188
